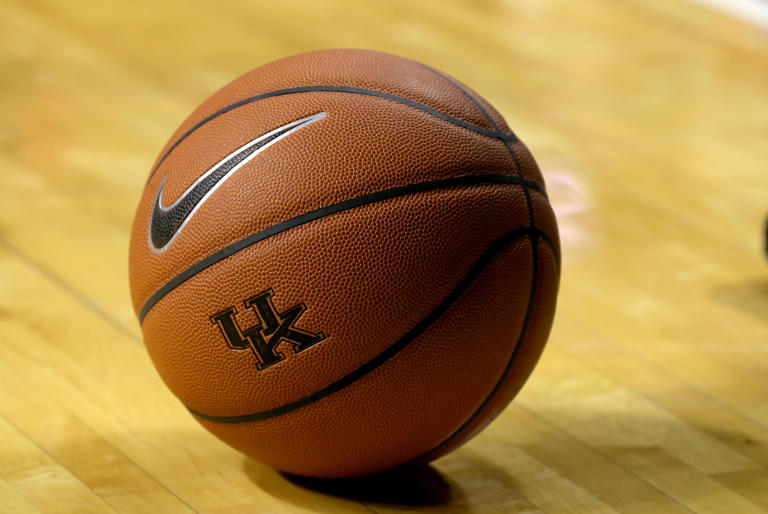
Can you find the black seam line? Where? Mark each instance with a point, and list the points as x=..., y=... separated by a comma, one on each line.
x=487, y=116
x=322, y=212
x=529, y=308
x=534, y=235
x=496, y=247
x=498, y=134
x=496, y=128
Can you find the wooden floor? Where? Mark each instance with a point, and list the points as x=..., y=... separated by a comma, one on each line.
x=650, y=121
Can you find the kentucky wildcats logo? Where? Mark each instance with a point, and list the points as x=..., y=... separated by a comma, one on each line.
x=273, y=328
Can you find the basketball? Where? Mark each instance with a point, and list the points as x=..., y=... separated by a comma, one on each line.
x=344, y=262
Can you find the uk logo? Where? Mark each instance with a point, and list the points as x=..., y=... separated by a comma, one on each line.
x=273, y=328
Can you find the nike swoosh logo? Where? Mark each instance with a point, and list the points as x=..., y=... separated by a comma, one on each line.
x=166, y=223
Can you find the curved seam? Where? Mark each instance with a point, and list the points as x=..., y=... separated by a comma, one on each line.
x=498, y=134
x=484, y=112
x=494, y=249
x=322, y=212
x=493, y=124
x=529, y=307
x=535, y=235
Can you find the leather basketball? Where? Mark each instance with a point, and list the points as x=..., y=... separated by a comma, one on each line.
x=343, y=262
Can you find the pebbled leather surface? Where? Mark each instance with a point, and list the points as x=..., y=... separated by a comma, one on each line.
x=366, y=275
x=414, y=401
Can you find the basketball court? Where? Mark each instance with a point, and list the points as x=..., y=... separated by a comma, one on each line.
x=648, y=120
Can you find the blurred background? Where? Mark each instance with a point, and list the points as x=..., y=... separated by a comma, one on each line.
x=649, y=120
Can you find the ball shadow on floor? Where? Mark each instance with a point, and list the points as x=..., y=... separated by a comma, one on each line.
x=417, y=486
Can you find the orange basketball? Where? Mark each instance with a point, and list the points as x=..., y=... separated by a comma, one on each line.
x=343, y=262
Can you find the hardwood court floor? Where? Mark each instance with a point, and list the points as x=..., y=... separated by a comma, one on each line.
x=649, y=119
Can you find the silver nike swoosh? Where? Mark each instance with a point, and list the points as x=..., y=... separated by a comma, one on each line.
x=165, y=223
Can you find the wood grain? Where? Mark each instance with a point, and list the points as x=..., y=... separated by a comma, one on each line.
x=649, y=121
